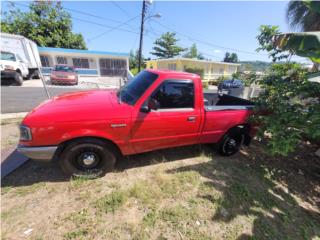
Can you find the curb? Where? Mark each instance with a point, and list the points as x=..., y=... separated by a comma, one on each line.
x=8, y=116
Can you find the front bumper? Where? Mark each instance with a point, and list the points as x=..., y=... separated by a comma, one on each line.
x=43, y=154
x=7, y=74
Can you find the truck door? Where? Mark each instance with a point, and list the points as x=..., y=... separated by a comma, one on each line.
x=176, y=122
x=23, y=66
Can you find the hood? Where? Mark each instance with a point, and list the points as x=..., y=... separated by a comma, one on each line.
x=79, y=106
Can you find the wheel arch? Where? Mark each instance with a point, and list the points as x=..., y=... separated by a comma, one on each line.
x=110, y=143
x=244, y=129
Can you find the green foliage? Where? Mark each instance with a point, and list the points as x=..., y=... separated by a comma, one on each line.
x=232, y=58
x=248, y=79
x=304, y=15
x=193, y=52
x=134, y=60
x=265, y=39
x=46, y=23
x=195, y=70
x=306, y=44
x=166, y=46
x=293, y=104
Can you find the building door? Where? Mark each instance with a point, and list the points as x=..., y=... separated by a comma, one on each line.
x=113, y=67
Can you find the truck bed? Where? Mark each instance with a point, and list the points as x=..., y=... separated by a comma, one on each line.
x=220, y=102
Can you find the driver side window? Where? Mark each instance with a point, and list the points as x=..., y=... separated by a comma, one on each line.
x=175, y=94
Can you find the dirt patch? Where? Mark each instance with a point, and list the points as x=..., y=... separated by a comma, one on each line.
x=181, y=193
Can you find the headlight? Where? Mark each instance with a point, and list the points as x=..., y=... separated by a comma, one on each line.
x=25, y=133
x=9, y=67
x=71, y=77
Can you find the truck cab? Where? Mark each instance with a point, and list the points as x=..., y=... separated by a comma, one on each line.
x=13, y=67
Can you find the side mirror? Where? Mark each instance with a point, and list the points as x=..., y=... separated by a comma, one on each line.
x=151, y=104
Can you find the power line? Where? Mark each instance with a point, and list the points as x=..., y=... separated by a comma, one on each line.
x=121, y=9
x=156, y=34
x=106, y=26
x=205, y=42
x=114, y=28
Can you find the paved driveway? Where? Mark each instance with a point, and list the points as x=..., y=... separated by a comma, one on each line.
x=19, y=99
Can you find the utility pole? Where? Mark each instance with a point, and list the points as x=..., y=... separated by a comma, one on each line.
x=141, y=33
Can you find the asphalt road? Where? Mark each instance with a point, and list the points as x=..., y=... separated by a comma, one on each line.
x=23, y=99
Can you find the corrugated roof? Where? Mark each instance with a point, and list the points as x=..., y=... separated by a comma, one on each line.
x=67, y=50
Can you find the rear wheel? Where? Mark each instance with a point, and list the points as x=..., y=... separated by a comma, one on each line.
x=230, y=143
x=88, y=157
x=18, y=78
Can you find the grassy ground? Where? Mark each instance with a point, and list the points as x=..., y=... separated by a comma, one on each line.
x=182, y=193
x=9, y=134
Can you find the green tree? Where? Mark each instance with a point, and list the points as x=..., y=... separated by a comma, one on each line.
x=193, y=52
x=232, y=58
x=46, y=23
x=166, y=46
x=266, y=42
x=291, y=101
x=304, y=15
x=134, y=61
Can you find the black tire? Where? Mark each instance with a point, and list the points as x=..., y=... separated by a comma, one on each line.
x=36, y=74
x=18, y=79
x=230, y=143
x=88, y=157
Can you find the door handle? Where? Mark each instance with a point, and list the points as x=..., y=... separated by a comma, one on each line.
x=191, y=119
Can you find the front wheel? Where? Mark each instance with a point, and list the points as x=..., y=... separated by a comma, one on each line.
x=88, y=157
x=230, y=143
x=18, y=78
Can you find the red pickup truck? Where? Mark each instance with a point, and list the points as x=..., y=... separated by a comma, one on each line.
x=88, y=130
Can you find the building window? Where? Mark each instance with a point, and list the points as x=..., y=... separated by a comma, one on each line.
x=172, y=66
x=45, y=61
x=61, y=60
x=113, y=67
x=80, y=62
x=221, y=71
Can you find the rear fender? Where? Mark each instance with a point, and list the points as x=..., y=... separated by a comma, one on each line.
x=242, y=129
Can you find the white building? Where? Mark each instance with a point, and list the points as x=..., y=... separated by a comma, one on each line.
x=88, y=63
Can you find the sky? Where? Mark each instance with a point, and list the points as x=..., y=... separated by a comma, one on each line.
x=215, y=26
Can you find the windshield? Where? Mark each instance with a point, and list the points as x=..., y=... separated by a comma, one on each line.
x=8, y=56
x=62, y=68
x=137, y=86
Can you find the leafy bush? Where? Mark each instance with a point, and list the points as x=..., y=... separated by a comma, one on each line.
x=293, y=106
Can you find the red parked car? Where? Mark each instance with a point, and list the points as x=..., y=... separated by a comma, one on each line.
x=64, y=75
x=87, y=131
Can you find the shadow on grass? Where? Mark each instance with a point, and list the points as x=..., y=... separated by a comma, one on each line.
x=33, y=172
x=250, y=187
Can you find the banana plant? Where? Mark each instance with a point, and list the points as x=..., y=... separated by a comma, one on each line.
x=304, y=44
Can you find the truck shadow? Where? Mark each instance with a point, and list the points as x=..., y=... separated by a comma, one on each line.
x=253, y=185
x=32, y=172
